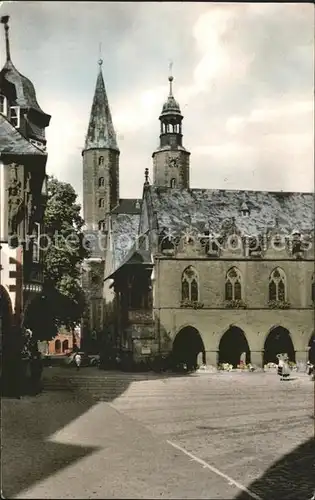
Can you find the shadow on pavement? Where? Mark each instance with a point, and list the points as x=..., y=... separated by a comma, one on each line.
x=26, y=424
x=291, y=478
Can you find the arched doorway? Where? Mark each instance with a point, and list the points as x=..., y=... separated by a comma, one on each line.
x=65, y=345
x=186, y=347
x=311, y=352
x=232, y=345
x=57, y=346
x=278, y=341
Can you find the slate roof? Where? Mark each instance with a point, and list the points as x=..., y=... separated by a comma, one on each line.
x=25, y=91
x=101, y=132
x=124, y=234
x=13, y=142
x=128, y=206
x=134, y=257
x=177, y=209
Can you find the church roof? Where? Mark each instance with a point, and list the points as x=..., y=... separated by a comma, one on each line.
x=124, y=230
x=13, y=142
x=176, y=209
x=101, y=132
x=128, y=206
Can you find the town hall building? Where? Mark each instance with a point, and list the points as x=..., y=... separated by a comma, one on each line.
x=193, y=273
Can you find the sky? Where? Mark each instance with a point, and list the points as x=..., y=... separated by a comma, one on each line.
x=243, y=76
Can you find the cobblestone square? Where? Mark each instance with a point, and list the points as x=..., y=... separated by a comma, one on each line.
x=221, y=435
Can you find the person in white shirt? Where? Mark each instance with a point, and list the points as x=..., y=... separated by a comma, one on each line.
x=77, y=360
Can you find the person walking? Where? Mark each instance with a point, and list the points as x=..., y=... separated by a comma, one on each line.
x=77, y=360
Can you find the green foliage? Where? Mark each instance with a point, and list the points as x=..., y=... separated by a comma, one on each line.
x=63, y=301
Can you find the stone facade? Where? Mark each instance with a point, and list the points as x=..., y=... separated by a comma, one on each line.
x=212, y=272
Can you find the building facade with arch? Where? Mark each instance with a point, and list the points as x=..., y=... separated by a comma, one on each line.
x=233, y=269
x=200, y=260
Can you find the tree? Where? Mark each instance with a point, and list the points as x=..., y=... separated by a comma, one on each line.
x=62, y=302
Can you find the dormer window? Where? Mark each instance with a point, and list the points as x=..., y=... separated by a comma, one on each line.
x=244, y=209
x=15, y=116
x=3, y=105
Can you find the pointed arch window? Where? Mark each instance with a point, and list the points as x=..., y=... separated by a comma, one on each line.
x=277, y=285
x=3, y=105
x=101, y=225
x=233, y=285
x=101, y=160
x=313, y=288
x=190, y=286
x=101, y=182
x=173, y=183
x=101, y=203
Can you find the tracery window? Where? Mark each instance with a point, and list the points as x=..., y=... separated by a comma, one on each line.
x=190, y=288
x=233, y=285
x=101, y=203
x=101, y=225
x=101, y=182
x=277, y=285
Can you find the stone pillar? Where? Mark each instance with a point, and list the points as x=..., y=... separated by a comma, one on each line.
x=212, y=358
x=257, y=358
x=301, y=358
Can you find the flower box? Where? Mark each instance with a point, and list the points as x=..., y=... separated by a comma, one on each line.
x=235, y=304
x=168, y=251
x=279, y=304
x=192, y=304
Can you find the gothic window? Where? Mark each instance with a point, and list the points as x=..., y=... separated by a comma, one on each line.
x=101, y=182
x=313, y=288
x=190, y=288
x=3, y=105
x=173, y=183
x=277, y=285
x=101, y=203
x=101, y=160
x=15, y=116
x=233, y=285
x=101, y=225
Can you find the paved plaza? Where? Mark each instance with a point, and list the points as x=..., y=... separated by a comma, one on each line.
x=220, y=436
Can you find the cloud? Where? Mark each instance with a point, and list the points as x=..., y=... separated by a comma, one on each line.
x=244, y=78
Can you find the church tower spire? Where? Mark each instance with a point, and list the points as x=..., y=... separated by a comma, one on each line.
x=171, y=160
x=100, y=160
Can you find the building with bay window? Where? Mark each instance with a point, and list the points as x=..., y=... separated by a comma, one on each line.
x=23, y=190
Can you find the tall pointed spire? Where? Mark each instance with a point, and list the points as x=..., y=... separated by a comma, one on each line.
x=101, y=132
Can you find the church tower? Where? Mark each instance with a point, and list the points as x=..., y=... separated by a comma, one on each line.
x=100, y=161
x=100, y=196
x=171, y=159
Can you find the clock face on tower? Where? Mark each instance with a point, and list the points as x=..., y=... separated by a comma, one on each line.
x=173, y=162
